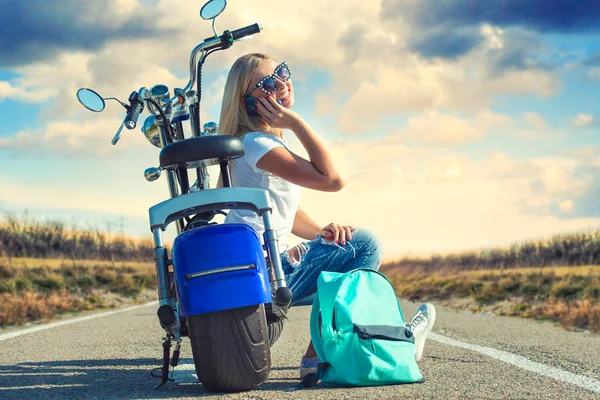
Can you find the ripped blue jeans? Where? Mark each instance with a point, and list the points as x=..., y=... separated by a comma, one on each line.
x=315, y=256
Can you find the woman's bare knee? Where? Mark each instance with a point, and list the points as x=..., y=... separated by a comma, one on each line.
x=297, y=253
x=294, y=255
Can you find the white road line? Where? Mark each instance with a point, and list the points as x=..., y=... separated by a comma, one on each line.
x=524, y=363
x=182, y=372
x=46, y=387
x=70, y=321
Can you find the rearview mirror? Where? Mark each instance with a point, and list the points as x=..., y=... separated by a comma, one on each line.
x=213, y=9
x=90, y=100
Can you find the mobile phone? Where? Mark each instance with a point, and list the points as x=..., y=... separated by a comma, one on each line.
x=251, y=106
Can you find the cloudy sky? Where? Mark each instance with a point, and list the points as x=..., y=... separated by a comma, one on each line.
x=457, y=124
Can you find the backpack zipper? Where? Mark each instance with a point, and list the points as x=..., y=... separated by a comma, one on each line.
x=367, y=338
x=362, y=333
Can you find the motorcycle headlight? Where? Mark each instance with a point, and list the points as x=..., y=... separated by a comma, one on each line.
x=151, y=131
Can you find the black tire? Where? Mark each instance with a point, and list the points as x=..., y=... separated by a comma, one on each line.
x=230, y=348
x=275, y=329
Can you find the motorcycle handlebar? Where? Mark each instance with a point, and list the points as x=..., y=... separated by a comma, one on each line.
x=117, y=136
x=130, y=121
x=136, y=108
x=224, y=41
x=214, y=43
x=133, y=114
x=243, y=32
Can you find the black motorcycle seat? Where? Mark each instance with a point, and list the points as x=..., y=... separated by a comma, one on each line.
x=207, y=149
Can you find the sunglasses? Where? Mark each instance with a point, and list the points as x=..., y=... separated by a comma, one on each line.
x=268, y=84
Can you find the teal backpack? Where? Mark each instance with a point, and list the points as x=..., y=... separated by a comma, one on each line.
x=363, y=340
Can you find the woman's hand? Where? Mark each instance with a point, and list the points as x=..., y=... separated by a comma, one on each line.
x=337, y=233
x=275, y=114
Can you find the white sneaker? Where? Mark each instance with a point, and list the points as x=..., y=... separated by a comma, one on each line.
x=420, y=324
x=308, y=366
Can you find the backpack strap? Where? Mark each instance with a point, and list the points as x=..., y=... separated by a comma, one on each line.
x=315, y=334
x=325, y=293
x=328, y=286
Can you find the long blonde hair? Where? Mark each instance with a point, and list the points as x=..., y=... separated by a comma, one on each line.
x=234, y=119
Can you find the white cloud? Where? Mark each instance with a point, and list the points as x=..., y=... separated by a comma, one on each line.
x=588, y=154
x=447, y=130
x=438, y=216
x=562, y=177
x=6, y=90
x=425, y=85
x=583, y=120
x=75, y=138
x=113, y=184
x=374, y=69
x=493, y=36
x=414, y=198
x=594, y=73
x=325, y=105
x=499, y=166
x=429, y=195
x=566, y=206
x=56, y=80
x=549, y=178
x=491, y=120
x=425, y=198
x=24, y=94
x=536, y=121
x=440, y=129
x=398, y=81
x=65, y=197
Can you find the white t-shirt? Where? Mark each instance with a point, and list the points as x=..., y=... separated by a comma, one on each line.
x=285, y=196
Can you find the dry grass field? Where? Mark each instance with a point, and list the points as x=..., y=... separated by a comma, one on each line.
x=567, y=295
x=47, y=269
x=30, y=238
x=39, y=291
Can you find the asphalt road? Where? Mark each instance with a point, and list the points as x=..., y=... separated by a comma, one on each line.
x=469, y=356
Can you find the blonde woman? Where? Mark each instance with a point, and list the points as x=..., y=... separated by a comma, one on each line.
x=268, y=163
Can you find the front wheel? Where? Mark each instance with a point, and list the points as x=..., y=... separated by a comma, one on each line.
x=275, y=326
x=231, y=348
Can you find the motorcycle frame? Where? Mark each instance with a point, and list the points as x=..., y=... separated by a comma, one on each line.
x=183, y=204
x=168, y=114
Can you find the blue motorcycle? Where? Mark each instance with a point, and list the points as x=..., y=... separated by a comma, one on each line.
x=222, y=288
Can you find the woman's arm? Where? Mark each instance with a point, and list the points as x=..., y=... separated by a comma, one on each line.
x=319, y=173
x=308, y=229
x=304, y=226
